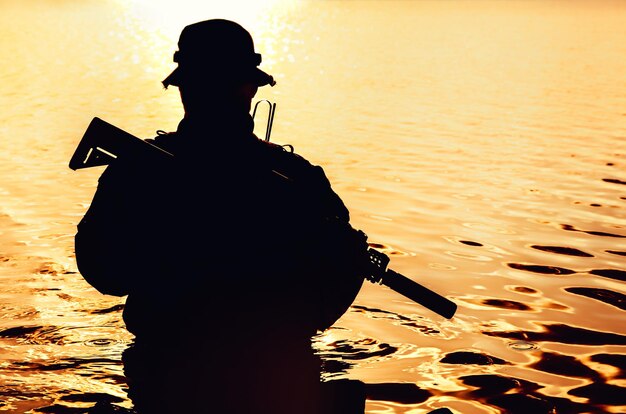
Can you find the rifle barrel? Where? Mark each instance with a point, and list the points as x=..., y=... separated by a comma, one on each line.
x=418, y=293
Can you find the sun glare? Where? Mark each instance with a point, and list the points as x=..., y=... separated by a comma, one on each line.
x=162, y=21
x=170, y=17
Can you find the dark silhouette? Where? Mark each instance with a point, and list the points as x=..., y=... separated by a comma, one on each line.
x=233, y=254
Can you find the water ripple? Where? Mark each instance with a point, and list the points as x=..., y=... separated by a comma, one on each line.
x=550, y=270
x=603, y=295
x=473, y=358
x=615, y=360
x=565, y=365
x=610, y=273
x=419, y=325
x=514, y=395
x=569, y=227
x=564, y=334
x=562, y=250
x=506, y=304
x=614, y=181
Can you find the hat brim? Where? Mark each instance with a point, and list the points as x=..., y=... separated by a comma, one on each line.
x=257, y=76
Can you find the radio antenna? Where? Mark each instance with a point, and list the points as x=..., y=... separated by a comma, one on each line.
x=270, y=116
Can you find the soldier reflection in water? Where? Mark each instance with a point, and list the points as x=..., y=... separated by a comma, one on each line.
x=232, y=256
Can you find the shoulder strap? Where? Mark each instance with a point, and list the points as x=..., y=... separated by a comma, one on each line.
x=164, y=140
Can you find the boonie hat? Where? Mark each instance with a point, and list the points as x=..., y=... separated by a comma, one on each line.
x=217, y=48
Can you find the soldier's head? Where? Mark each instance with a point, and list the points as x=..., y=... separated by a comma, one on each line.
x=217, y=61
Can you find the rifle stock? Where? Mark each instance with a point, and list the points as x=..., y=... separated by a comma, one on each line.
x=104, y=143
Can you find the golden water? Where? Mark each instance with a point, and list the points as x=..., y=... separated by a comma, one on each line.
x=481, y=143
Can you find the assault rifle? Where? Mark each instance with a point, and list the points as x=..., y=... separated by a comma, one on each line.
x=103, y=143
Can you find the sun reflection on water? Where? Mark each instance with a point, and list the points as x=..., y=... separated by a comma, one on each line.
x=480, y=145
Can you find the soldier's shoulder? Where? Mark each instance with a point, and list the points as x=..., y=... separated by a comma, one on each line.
x=286, y=153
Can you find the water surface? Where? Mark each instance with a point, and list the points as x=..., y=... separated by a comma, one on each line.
x=480, y=144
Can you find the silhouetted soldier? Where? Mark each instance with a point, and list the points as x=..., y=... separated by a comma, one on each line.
x=233, y=255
